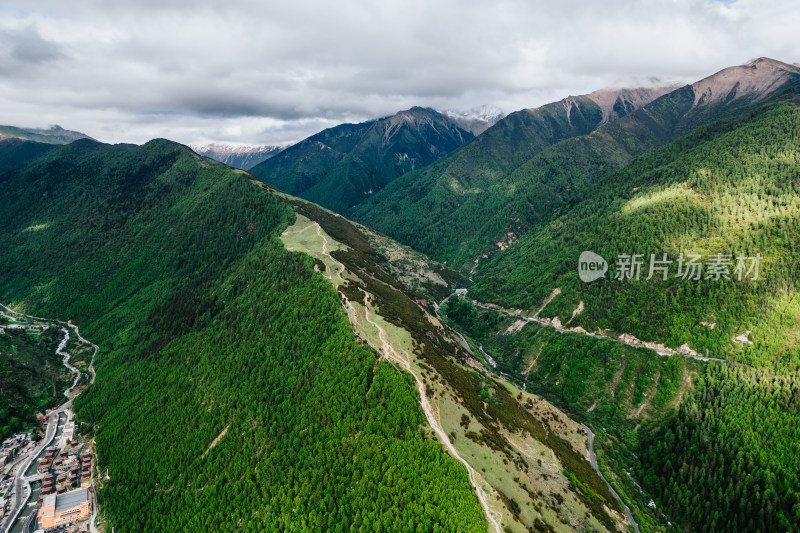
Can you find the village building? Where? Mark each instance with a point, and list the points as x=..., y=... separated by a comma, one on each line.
x=66, y=508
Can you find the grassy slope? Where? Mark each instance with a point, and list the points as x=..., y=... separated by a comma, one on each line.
x=610, y=386
x=207, y=325
x=502, y=419
x=524, y=489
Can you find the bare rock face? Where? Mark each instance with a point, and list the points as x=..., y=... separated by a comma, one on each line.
x=756, y=80
x=617, y=103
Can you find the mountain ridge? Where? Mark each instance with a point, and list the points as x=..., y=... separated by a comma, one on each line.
x=493, y=179
x=340, y=166
x=188, y=251
x=53, y=135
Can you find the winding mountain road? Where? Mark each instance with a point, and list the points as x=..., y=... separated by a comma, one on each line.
x=668, y=352
x=66, y=357
x=61, y=347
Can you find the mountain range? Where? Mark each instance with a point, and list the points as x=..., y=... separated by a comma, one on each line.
x=491, y=191
x=384, y=326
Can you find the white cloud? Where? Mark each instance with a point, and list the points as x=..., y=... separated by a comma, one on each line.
x=270, y=72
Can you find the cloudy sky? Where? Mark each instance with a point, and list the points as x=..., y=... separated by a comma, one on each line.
x=255, y=71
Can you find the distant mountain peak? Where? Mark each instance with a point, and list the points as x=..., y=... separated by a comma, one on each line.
x=769, y=62
x=237, y=156
x=476, y=120
x=416, y=114
x=756, y=79
x=339, y=166
x=55, y=134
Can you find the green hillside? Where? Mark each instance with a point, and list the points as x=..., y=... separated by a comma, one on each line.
x=16, y=152
x=723, y=458
x=729, y=460
x=731, y=189
x=486, y=417
x=231, y=392
x=267, y=365
x=53, y=135
x=340, y=167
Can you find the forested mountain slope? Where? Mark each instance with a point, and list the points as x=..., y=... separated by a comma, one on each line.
x=730, y=188
x=493, y=426
x=231, y=392
x=16, y=152
x=726, y=459
x=464, y=208
x=716, y=442
x=242, y=384
x=340, y=167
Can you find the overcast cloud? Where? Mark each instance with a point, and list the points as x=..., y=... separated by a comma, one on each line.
x=250, y=71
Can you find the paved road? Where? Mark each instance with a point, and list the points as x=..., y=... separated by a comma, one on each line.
x=22, y=487
x=71, y=325
x=593, y=462
x=93, y=495
x=668, y=353
x=66, y=356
